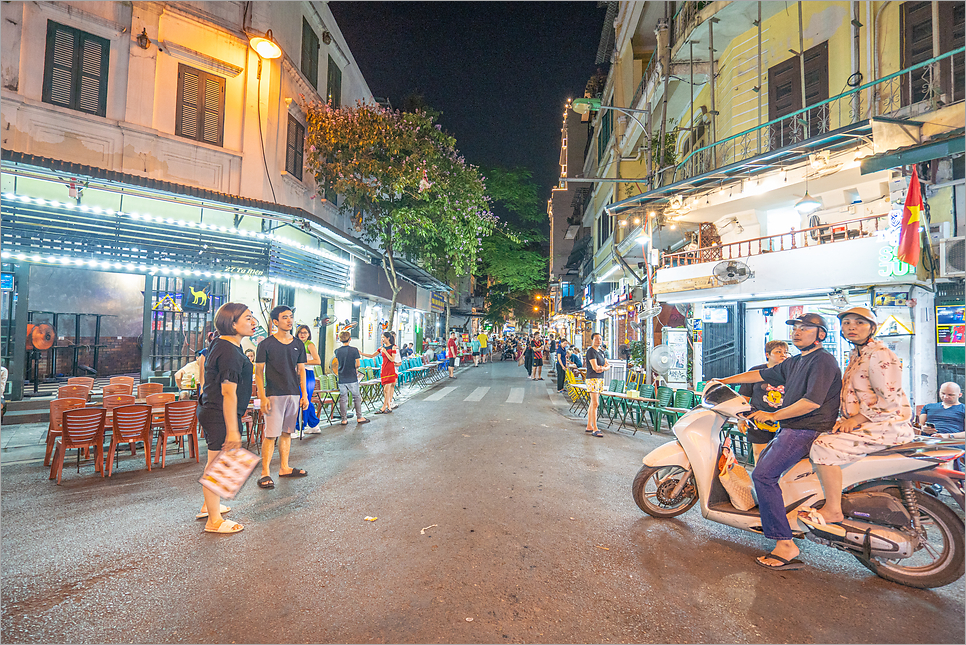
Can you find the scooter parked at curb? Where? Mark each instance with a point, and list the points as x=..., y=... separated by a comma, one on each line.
x=893, y=528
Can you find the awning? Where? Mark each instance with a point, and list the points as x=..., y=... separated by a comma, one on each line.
x=938, y=147
x=21, y=163
x=419, y=276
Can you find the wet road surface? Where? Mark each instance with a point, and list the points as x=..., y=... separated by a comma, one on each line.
x=499, y=520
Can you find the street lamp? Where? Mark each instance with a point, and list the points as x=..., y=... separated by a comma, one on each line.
x=583, y=106
x=265, y=46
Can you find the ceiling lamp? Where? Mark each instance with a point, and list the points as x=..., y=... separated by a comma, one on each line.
x=807, y=204
x=265, y=46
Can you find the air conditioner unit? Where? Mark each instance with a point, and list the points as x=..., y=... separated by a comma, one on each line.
x=951, y=261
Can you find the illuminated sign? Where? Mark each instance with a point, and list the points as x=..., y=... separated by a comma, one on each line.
x=890, y=266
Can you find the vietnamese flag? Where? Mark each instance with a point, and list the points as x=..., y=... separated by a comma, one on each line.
x=909, y=250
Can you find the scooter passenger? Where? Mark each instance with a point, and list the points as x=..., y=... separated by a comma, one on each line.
x=763, y=396
x=874, y=407
x=813, y=384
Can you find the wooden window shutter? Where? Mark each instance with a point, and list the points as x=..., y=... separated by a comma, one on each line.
x=310, y=54
x=76, y=69
x=200, y=106
x=294, y=146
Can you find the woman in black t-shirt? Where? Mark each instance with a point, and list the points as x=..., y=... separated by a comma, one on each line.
x=764, y=396
x=228, y=390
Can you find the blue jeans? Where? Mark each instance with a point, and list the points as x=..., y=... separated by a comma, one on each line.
x=788, y=448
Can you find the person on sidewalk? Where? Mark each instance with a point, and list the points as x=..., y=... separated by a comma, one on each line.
x=475, y=347
x=484, y=346
x=528, y=357
x=538, y=350
x=387, y=374
x=310, y=420
x=452, y=351
x=280, y=380
x=348, y=359
x=810, y=407
x=561, y=355
x=596, y=364
x=224, y=400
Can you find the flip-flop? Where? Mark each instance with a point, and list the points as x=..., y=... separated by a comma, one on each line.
x=226, y=527
x=203, y=514
x=597, y=434
x=362, y=421
x=786, y=565
x=266, y=482
x=816, y=522
x=588, y=430
x=296, y=472
x=343, y=423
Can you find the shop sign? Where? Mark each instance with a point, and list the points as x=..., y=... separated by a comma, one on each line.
x=891, y=299
x=677, y=342
x=437, y=304
x=890, y=266
x=195, y=296
x=950, y=325
x=714, y=315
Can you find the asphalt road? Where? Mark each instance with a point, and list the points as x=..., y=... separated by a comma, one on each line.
x=498, y=521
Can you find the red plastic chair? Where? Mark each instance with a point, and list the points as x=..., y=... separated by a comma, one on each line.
x=147, y=389
x=132, y=423
x=117, y=400
x=57, y=409
x=126, y=380
x=73, y=392
x=117, y=388
x=180, y=420
x=81, y=428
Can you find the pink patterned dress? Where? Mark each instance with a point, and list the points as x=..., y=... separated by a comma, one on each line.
x=872, y=387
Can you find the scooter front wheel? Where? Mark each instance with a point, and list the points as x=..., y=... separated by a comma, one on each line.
x=654, y=487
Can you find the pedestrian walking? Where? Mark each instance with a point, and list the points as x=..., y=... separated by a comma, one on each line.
x=596, y=364
x=561, y=357
x=538, y=349
x=347, y=359
x=475, y=348
x=484, y=346
x=390, y=357
x=452, y=352
x=224, y=400
x=310, y=419
x=528, y=357
x=280, y=380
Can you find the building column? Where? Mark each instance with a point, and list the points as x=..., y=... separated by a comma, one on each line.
x=147, y=333
x=21, y=273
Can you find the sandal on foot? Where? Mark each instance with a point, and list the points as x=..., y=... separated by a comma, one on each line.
x=203, y=514
x=597, y=434
x=226, y=527
x=588, y=430
x=814, y=520
x=296, y=472
x=343, y=423
x=786, y=565
x=266, y=482
x=361, y=421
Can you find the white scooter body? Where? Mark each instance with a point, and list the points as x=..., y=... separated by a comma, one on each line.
x=697, y=447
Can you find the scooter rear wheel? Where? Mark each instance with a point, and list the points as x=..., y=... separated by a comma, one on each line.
x=653, y=488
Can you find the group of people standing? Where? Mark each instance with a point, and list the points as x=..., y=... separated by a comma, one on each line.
x=283, y=385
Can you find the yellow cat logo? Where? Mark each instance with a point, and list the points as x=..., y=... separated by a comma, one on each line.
x=200, y=298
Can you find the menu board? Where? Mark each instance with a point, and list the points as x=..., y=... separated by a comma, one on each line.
x=950, y=325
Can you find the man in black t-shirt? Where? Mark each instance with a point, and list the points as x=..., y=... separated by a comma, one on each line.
x=810, y=406
x=280, y=380
x=348, y=359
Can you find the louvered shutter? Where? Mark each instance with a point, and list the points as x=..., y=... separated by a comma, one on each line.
x=334, y=84
x=294, y=145
x=309, y=62
x=201, y=106
x=76, y=69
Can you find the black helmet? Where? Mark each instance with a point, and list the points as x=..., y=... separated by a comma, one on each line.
x=813, y=320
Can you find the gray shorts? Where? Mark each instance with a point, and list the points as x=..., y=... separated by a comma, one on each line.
x=285, y=411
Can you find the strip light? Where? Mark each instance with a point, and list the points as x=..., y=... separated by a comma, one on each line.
x=163, y=270
x=182, y=223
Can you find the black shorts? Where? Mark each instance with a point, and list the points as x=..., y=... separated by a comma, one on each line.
x=757, y=435
x=213, y=424
x=538, y=362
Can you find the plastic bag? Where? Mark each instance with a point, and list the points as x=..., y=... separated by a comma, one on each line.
x=735, y=479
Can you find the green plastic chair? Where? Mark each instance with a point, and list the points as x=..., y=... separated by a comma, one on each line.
x=682, y=399
x=655, y=410
x=607, y=401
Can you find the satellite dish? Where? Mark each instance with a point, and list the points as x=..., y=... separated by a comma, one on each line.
x=661, y=359
x=731, y=272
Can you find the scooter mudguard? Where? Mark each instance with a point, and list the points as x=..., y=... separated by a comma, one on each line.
x=670, y=454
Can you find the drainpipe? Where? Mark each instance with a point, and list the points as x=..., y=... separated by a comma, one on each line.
x=714, y=111
x=856, y=99
x=875, y=44
x=659, y=175
x=801, y=61
x=869, y=37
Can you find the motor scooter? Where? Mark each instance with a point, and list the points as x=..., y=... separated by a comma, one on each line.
x=891, y=526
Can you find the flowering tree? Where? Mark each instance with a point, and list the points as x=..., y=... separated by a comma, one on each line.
x=405, y=184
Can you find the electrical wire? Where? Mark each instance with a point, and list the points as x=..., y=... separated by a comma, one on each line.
x=261, y=135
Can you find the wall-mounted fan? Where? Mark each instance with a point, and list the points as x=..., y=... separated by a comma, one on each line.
x=661, y=360
x=649, y=310
x=731, y=272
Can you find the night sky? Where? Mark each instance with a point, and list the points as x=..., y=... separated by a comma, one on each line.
x=500, y=72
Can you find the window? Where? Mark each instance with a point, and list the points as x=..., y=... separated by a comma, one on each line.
x=75, y=69
x=917, y=48
x=294, y=145
x=201, y=106
x=603, y=229
x=334, y=84
x=606, y=129
x=286, y=297
x=785, y=96
x=310, y=54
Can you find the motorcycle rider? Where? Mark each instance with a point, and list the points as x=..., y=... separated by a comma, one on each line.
x=810, y=406
x=875, y=412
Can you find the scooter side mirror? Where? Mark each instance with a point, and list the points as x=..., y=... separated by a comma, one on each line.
x=723, y=400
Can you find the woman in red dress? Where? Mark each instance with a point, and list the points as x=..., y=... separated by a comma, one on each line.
x=390, y=354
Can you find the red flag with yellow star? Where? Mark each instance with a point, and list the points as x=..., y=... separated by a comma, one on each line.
x=909, y=249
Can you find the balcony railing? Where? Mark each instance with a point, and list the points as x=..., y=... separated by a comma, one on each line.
x=914, y=90
x=824, y=234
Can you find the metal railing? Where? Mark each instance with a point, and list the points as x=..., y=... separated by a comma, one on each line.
x=908, y=92
x=686, y=19
x=813, y=236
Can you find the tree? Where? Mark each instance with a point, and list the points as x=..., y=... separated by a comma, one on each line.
x=404, y=182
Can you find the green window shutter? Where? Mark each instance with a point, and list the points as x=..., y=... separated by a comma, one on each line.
x=334, y=84
x=76, y=69
x=200, y=106
x=310, y=54
x=294, y=145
